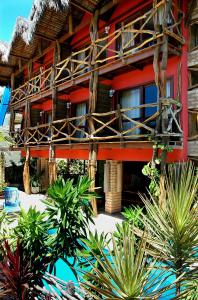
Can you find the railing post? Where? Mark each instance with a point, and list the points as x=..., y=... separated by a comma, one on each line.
x=120, y=122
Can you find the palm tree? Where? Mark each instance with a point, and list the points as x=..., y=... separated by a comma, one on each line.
x=173, y=228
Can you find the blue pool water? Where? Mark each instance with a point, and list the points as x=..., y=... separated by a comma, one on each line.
x=64, y=272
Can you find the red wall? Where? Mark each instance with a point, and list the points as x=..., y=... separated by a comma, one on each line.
x=122, y=154
x=128, y=80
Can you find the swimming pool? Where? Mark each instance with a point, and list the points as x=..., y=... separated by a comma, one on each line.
x=64, y=272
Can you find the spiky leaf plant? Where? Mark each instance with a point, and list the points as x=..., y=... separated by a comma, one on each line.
x=16, y=275
x=173, y=227
x=124, y=271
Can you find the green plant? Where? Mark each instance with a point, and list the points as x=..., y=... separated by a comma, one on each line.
x=192, y=290
x=4, y=137
x=123, y=271
x=85, y=255
x=153, y=174
x=133, y=216
x=5, y=231
x=16, y=276
x=173, y=227
x=69, y=212
x=32, y=232
x=62, y=168
x=35, y=180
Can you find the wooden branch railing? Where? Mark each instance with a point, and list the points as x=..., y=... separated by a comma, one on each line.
x=106, y=126
x=125, y=41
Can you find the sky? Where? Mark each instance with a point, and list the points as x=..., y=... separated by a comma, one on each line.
x=9, y=11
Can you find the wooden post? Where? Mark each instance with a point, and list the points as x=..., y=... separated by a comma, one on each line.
x=30, y=66
x=162, y=95
x=93, y=89
x=2, y=167
x=57, y=53
x=12, y=114
x=71, y=29
x=52, y=165
x=26, y=173
x=92, y=172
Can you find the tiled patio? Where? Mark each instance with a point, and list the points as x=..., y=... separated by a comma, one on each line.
x=103, y=222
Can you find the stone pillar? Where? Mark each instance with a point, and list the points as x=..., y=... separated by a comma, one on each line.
x=113, y=186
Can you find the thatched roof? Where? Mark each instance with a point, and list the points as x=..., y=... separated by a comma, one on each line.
x=47, y=17
x=47, y=20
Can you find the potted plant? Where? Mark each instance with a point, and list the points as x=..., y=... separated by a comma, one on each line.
x=35, y=183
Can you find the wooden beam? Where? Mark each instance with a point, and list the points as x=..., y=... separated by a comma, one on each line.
x=6, y=66
x=83, y=7
x=44, y=37
x=108, y=6
x=19, y=56
x=71, y=24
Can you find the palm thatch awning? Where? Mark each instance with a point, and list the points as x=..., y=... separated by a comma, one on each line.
x=48, y=21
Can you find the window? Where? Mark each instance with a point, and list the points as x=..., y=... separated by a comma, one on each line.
x=131, y=98
x=135, y=97
x=127, y=41
x=80, y=67
x=193, y=78
x=194, y=36
x=81, y=110
x=193, y=124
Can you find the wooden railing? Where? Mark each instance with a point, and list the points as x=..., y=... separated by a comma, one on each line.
x=103, y=127
x=127, y=40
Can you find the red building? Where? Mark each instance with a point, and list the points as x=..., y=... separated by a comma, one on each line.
x=102, y=81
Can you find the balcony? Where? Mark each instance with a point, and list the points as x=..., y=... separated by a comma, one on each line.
x=117, y=125
x=131, y=43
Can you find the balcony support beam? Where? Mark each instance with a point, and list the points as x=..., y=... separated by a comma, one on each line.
x=26, y=172
x=93, y=89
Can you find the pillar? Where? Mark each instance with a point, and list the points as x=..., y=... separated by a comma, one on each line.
x=43, y=169
x=113, y=186
x=52, y=165
x=26, y=173
x=2, y=167
x=92, y=174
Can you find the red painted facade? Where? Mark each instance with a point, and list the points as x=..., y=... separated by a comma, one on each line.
x=120, y=82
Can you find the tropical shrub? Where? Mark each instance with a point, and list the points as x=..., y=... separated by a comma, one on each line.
x=123, y=271
x=173, y=227
x=85, y=255
x=5, y=231
x=69, y=212
x=133, y=216
x=16, y=275
x=32, y=232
